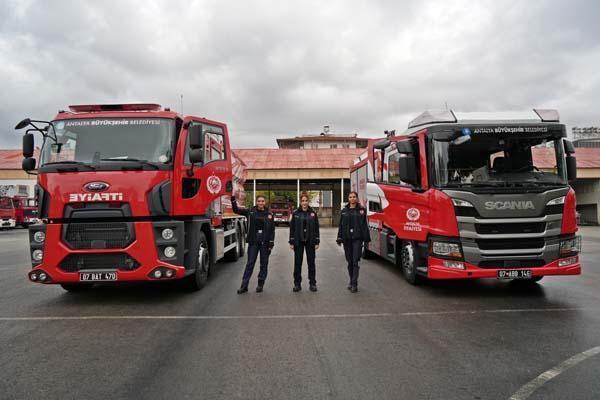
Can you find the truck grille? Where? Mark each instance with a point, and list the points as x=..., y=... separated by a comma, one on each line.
x=525, y=227
x=511, y=264
x=98, y=261
x=112, y=235
x=498, y=244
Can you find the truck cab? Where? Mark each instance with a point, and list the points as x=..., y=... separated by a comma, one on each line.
x=130, y=192
x=473, y=195
x=8, y=217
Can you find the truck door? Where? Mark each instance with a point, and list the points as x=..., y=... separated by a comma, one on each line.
x=200, y=187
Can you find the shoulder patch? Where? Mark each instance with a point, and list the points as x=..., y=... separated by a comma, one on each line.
x=270, y=216
x=362, y=211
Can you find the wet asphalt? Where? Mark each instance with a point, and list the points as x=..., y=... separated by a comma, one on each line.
x=442, y=340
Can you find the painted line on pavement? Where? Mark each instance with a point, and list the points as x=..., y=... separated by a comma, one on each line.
x=290, y=316
x=530, y=387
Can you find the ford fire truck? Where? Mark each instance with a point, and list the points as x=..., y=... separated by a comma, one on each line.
x=131, y=192
x=472, y=195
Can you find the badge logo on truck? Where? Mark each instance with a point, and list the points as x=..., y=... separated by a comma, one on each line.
x=413, y=214
x=213, y=184
x=96, y=186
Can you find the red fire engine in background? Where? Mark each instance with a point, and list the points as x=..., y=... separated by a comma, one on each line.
x=282, y=209
x=8, y=218
x=132, y=192
x=466, y=195
x=25, y=211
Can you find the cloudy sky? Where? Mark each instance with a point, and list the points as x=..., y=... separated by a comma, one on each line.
x=276, y=68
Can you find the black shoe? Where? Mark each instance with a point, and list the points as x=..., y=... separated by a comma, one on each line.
x=259, y=289
x=297, y=289
x=313, y=288
x=242, y=290
x=349, y=287
x=354, y=289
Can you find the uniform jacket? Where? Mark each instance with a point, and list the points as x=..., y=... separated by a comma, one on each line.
x=356, y=217
x=251, y=214
x=310, y=220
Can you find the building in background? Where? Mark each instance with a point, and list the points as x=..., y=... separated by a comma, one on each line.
x=586, y=137
x=324, y=140
x=13, y=180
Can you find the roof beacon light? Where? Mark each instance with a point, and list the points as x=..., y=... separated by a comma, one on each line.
x=547, y=115
x=114, y=107
x=432, y=116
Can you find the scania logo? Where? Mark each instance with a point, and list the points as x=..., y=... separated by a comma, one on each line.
x=96, y=186
x=510, y=205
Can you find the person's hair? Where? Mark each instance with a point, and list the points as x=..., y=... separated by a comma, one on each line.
x=263, y=197
x=303, y=195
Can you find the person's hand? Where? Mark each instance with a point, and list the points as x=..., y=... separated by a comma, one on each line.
x=292, y=246
x=338, y=241
x=316, y=247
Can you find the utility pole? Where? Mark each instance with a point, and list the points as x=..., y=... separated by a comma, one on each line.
x=181, y=103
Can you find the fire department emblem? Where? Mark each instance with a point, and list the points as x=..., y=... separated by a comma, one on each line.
x=270, y=216
x=213, y=184
x=413, y=214
x=312, y=215
x=362, y=212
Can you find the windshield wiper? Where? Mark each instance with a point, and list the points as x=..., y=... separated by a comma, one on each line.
x=70, y=162
x=143, y=162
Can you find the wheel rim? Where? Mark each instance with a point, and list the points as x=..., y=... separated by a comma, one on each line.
x=408, y=259
x=203, y=258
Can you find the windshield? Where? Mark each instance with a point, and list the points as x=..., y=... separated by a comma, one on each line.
x=279, y=205
x=6, y=203
x=107, y=142
x=499, y=161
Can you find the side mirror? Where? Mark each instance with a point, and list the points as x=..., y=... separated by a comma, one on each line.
x=196, y=155
x=382, y=144
x=195, y=136
x=569, y=148
x=28, y=145
x=404, y=147
x=571, y=168
x=408, y=170
x=28, y=164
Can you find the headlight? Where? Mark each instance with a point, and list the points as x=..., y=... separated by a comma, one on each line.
x=556, y=201
x=570, y=246
x=461, y=203
x=39, y=237
x=167, y=234
x=170, y=252
x=37, y=255
x=446, y=249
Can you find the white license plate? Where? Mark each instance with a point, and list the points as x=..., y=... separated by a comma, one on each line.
x=514, y=274
x=97, y=276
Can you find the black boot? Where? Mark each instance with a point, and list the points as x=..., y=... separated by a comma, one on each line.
x=259, y=288
x=297, y=288
x=313, y=288
x=354, y=289
x=243, y=289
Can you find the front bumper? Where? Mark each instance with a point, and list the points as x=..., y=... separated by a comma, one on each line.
x=437, y=270
x=143, y=250
x=8, y=223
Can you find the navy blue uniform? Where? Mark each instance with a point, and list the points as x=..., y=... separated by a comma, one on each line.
x=304, y=235
x=260, y=238
x=353, y=232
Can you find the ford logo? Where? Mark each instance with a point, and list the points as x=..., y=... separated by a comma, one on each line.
x=96, y=186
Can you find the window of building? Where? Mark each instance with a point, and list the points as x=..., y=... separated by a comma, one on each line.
x=333, y=146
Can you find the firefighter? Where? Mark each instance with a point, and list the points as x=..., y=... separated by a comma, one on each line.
x=304, y=237
x=353, y=233
x=260, y=238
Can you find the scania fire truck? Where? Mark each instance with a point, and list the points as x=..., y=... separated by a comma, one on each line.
x=472, y=195
x=131, y=192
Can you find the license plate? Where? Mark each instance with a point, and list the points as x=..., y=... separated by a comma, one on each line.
x=97, y=276
x=514, y=274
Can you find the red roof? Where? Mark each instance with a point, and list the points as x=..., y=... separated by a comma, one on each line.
x=328, y=158
x=298, y=158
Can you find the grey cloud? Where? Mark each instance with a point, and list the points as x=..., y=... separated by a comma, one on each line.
x=272, y=68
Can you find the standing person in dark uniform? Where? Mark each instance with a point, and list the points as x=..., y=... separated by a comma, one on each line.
x=353, y=233
x=304, y=236
x=260, y=238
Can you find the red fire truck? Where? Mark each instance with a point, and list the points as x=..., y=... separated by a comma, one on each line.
x=472, y=195
x=131, y=192
x=25, y=211
x=282, y=209
x=8, y=217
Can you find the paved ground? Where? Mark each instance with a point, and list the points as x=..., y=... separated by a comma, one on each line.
x=445, y=340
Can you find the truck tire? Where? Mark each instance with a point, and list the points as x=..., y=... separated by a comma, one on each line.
x=76, y=287
x=408, y=263
x=198, y=279
x=234, y=254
